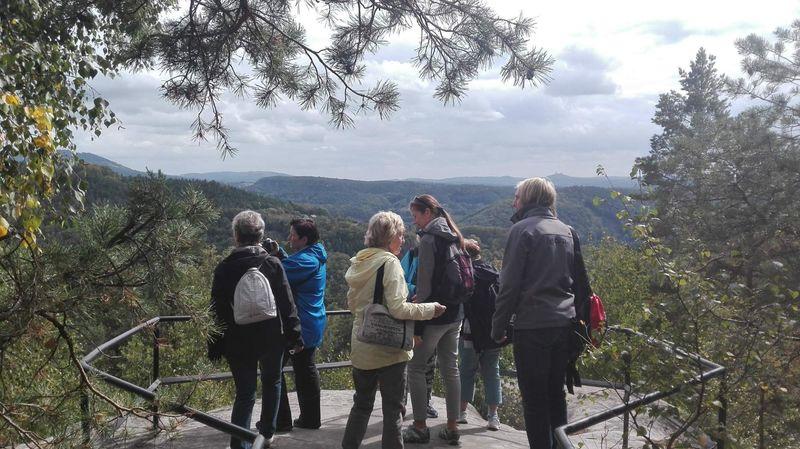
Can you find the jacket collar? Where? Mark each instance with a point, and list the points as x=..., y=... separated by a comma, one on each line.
x=532, y=211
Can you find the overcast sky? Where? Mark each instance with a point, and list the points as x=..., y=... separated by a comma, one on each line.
x=613, y=60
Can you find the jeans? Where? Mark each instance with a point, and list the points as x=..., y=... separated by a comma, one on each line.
x=444, y=339
x=306, y=379
x=245, y=377
x=392, y=381
x=429, y=377
x=541, y=359
x=488, y=361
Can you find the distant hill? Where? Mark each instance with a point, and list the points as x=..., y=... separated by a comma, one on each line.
x=108, y=187
x=559, y=179
x=235, y=178
x=473, y=205
x=91, y=158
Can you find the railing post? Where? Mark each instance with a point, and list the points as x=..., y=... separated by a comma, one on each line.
x=722, y=413
x=156, y=370
x=626, y=360
x=86, y=419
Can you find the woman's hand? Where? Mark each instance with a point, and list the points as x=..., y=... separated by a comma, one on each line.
x=417, y=341
x=438, y=309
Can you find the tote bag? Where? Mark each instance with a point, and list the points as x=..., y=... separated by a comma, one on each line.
x=379, y=327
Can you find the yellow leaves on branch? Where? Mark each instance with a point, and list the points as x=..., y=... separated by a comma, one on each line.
x=10, y=99
x=42, y=115
x=3, y=228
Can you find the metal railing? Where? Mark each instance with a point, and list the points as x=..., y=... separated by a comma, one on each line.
x=149, y=393
x=711, y=370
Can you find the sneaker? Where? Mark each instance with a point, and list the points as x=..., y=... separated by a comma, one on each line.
x=462, y=417
x=493, y=422
x=415, y=436
x=268, y=441
x=451, y=436
x=431, y=412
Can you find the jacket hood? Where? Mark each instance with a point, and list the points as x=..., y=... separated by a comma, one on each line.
x=438, y=226
x=244, y=255
x=532, y=211
x=364, y=265
x=317, y=251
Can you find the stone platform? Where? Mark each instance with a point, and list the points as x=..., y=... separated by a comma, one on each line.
x=185, y=433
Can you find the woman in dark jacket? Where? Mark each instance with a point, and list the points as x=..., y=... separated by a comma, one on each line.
x=438, y=233
x=476, y=349
x=537, y=284
x=247, y=346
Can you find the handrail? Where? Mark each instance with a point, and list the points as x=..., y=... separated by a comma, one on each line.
x=712, y=370
x=149, y=393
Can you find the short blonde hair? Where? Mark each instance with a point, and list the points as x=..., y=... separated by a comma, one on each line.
x=537, y=192
x=382, y=228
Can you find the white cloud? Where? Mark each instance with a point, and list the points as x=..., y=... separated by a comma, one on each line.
x=614, y=58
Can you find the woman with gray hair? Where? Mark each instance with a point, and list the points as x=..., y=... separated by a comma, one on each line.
x=246, y=346
x=376, y=366
x=538, y=284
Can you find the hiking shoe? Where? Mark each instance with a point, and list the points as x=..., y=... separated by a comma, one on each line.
x=431, y=412
x=299, y=423
x=462, y=417
x=493, y=422
x=415, y=436
x=451, y=436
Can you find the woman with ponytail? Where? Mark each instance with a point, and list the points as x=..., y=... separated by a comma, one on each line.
x=437, y=232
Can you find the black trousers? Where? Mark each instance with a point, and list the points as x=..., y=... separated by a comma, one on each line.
x=391, y=381
x=306, y=380
x=541, y=359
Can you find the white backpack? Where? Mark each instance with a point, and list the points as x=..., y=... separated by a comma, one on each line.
x=253, y=300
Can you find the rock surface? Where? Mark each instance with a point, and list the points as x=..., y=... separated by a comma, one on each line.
x=185, y=433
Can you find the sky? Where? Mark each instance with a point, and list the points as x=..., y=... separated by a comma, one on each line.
x=613, y=59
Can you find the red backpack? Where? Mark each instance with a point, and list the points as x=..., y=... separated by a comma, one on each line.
x=597, y=318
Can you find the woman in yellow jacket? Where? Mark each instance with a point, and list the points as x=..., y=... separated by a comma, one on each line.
x=377, y=366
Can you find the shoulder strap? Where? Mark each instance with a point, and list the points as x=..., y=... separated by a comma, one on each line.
x=582, y=287
x=377, y=297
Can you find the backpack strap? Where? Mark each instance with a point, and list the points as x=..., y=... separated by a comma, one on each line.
x=377, y=297
x=580, y=278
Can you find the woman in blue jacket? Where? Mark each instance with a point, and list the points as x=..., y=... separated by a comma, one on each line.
x=305, y=270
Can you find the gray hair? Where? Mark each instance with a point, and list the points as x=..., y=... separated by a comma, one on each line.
x=537, y=192
x=248, y=227
x=382, y=228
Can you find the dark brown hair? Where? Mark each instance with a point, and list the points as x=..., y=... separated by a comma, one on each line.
x=305, y=227
x=422, y=202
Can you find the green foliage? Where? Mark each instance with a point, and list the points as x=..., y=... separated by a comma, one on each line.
x=722, y=230
x=48, y=54
x=472, y=205
x=105, y=272
x=208, y=47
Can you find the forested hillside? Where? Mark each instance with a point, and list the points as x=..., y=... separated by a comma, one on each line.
x=485, y=206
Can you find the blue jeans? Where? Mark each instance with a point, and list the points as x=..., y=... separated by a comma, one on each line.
x=488, y=361
x=245, y=376
x=541, y=359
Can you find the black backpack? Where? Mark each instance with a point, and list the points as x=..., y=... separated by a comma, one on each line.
x=453, y=276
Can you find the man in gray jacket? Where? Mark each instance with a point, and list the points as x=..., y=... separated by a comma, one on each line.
x=537, y=287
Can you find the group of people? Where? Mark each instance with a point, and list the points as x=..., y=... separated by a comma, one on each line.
x=529, y=302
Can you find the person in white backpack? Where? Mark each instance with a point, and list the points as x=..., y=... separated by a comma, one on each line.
x=252, y=305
